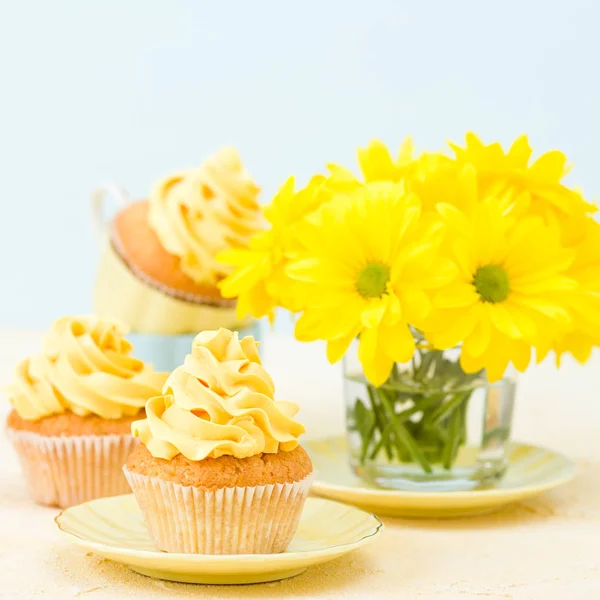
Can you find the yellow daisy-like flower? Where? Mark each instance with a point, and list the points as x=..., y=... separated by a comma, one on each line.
x=259, y=281
x=369, y=266
x=432, y=176
x=511, y=290
x=525, y=188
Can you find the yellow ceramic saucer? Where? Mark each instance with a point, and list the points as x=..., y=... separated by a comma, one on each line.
x=113, y=528
x=531, y=470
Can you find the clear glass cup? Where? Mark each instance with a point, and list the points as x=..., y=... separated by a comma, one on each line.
x=430, y=426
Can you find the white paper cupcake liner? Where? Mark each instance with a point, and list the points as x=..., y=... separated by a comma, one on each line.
x=235, y=520
x=68, y=470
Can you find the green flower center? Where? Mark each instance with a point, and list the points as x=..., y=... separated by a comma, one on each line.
x=491, y=283
x=372, y=280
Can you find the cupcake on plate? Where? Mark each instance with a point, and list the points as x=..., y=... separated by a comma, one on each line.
x=219, y=470
x=159, y=273
x=73, y=406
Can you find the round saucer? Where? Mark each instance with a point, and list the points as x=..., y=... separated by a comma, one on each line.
x=531, y=471
x=113, y=528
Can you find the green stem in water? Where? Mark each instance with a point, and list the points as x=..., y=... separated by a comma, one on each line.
x=380, y=422
x=453, y=441
x=366, y=442
x=419, y=414
x=384, y=439
x=447, y=407
x=403, y=438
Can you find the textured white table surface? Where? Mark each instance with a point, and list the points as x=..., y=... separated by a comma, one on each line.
x=544, y=549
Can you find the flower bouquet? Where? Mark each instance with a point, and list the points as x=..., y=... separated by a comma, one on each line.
x=437, y=276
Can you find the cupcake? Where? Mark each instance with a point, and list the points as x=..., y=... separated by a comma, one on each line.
x=219, y=470
x=73, y=406
x=160, y=272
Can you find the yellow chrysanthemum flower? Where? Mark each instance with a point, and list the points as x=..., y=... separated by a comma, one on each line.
x=523, y=188
x=511, y=290
x=369, y=266
x=364, y=256
x=433, y=177
x=259, y=282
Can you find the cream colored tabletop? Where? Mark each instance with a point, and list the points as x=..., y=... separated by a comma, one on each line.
x=547, y=548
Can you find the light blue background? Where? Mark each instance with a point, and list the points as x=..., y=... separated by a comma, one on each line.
x=128, y=90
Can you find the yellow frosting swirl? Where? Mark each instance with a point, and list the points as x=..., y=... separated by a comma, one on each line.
x=86, y=368
x=220, y=401
x=198, y=213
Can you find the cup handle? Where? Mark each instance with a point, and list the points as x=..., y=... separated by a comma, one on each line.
x=100, y=222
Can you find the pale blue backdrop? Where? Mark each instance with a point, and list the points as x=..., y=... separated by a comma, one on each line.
x=127, y=90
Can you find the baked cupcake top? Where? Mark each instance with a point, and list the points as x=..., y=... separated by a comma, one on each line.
x=219, y=402
x=198, y=213
x=86, y=368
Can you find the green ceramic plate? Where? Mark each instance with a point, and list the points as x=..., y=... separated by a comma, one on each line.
x=113, y=528
x=531, y=471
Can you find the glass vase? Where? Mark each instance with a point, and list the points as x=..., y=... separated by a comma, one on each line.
x=430, y=426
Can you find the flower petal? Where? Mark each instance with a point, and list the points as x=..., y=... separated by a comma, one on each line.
x=520, y=355
x=544, y=306
x=416, y=305
x=502, y=320
x=479, y=339
x=338, y=347
x=456, y=296
x=397, y=342
x=471, y=364
x=550, y=167
x=376, y=163
x=373, y=313
x=457, y=330
x=376, y=365
x=520, y=152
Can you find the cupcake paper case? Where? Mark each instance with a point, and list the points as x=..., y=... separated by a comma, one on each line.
x=73, y=406
x=220, y=470
x=159, y=271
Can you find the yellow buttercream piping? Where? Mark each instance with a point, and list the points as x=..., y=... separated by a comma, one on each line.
x=219, y=402
x=201, y=212
x=85, y=367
